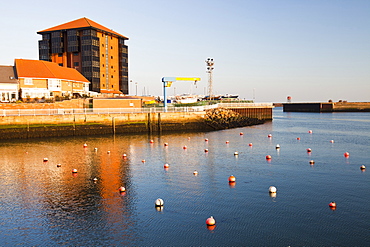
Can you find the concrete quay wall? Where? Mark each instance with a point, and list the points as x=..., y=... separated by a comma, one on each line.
x=17, y=127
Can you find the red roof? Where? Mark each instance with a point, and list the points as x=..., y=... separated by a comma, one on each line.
x=43, y=69
x=80, y=23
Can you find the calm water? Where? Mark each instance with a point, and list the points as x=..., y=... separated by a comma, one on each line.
x=45, y=205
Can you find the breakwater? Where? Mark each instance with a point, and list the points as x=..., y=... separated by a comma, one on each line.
x=327, y=107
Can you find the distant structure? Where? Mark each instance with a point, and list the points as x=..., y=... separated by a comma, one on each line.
x=289, y=99
x=210, y=68
x=98, y=53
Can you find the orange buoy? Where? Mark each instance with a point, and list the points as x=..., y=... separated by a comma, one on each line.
x=312, y=162
x=363, y=167
x=310, y=131
x=195, y=173
x=46, y=159
x=210, y=221
x=108, y=152
x=122, y=189
x=206, y=140
x=184, y=147
x=241, y=133
x=232, y=178
x=268, y=157
x=165, y=144
x=143, y=161
x=250, y=144
x=206, y=150
x=331, y=141
x=85, y=145
x=151, y=141
x=124, y=156
x=74, y=171
x=227, y=142
x=346, y=154
x=166, y=165
x=59, y=165
x=269, y=135
x=309, y=150
x=236, y=153
x=332, y=205
x=298, y=138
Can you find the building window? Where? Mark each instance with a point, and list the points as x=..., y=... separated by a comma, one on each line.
x=75, y=53
x=60, y=64
x=103, y=85
x=112, y=86
x=102, y=45
x=102, y=55
x=103, y=75
x=111, y=67
x=103, y=64
x=76, y=64
x=111, y=57
x=54, y=84
x=28, y=81
x=60, y=54
x=111, y=47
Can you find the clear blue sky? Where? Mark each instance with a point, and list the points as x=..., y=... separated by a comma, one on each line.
x=312, y=50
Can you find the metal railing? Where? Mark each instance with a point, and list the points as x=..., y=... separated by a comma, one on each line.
x=40, y=112
x=246, y=105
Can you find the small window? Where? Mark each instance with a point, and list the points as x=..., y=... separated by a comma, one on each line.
x=111, y=76
x=111, y=57
x=76, y=63
x=60, y=54
x=60, y=64
x=102, y=45
x=75, y=53
x=112, y=86
x=103, y=85
x=28, y=81
x=103, y=75
x=103, y=65
x=102, y=55
x=102, y=34
x=111, y=67
x=111, y=47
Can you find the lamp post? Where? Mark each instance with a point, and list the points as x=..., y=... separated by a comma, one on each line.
x=210, y=63
x=136, y=88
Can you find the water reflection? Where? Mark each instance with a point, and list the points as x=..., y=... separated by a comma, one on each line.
x=45, y=204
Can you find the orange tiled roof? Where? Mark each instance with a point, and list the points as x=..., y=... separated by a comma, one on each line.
x=43, y=69
x=80, y=23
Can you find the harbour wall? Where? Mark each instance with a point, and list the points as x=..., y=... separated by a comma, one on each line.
x=22, y=124
x=19, y=127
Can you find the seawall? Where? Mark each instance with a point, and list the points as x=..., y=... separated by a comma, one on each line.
x=16, y=127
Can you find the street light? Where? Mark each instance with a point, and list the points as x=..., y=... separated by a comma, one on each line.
x=210, y=63
x=136, y=88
